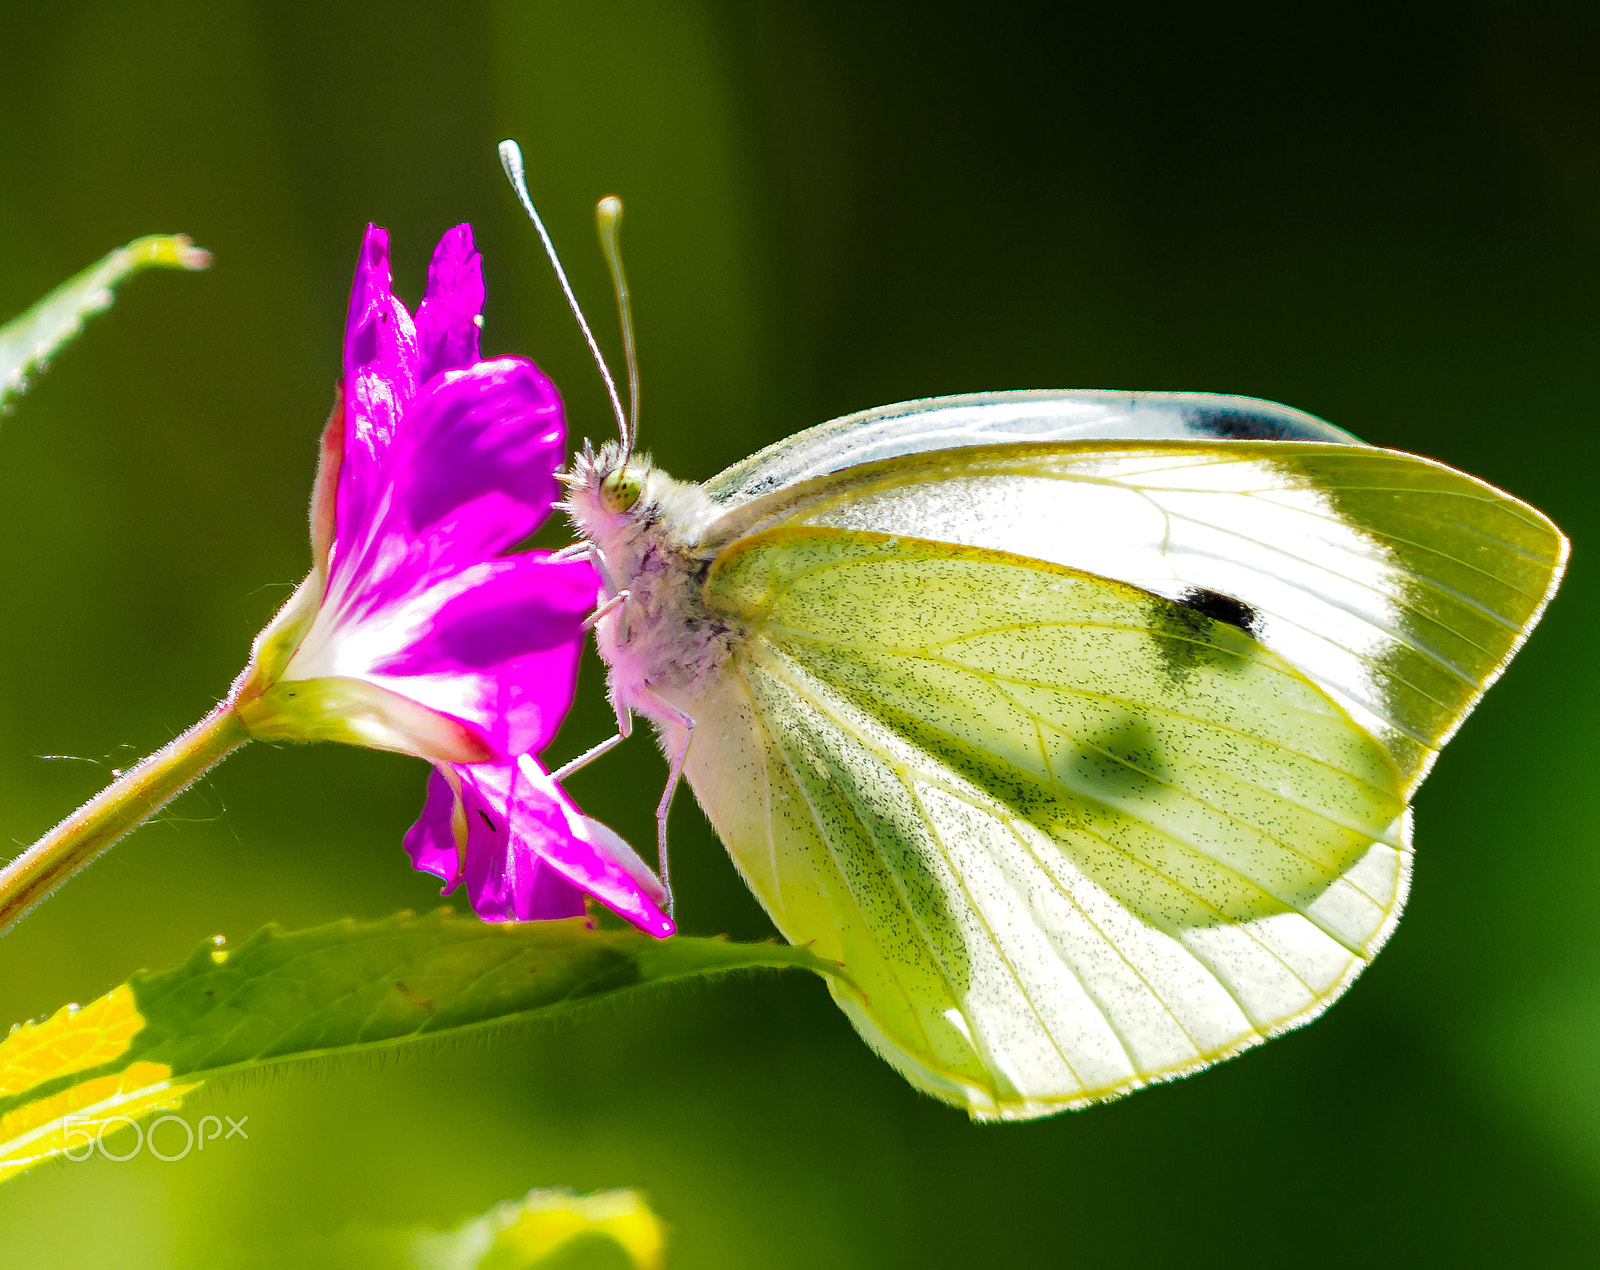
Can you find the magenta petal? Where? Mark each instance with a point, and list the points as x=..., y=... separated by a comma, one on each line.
x=431, y=842
x=444, y=463
x=506, y=878
x=471, y=474
x=529, y=853
x=565, y=841
x=502, y=648
x=448, y=317
x=550, y=895
x=476, y=464
x=380, y=379
x=501, y=610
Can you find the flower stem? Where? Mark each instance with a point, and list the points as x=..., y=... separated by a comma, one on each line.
x=118, y=809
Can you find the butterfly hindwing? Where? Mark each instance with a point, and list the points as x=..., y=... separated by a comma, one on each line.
x=1065, y=835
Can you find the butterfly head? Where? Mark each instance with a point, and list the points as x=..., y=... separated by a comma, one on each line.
x=607, y=493
x=625, y=505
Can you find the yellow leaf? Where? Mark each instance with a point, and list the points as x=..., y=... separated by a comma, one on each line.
x=73, y=1120
x=70, y=1040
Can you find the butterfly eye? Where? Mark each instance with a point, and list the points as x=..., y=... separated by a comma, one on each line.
x=620, y=490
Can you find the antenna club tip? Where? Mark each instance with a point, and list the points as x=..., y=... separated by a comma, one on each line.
x=609, y=208
x=511, y=159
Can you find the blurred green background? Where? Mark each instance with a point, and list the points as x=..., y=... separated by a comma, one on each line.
x=1386, y=215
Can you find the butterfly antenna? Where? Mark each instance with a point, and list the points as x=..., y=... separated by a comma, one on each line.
x=608, y=220
x=511, y=161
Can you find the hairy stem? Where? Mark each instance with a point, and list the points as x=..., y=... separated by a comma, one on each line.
x=118, y=809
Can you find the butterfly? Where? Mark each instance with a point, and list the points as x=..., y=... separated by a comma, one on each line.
x=1081, y=728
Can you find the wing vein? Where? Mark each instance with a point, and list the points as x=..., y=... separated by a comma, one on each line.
x=1199, y=899
x=1091, y=694
x=1005, y=958
x=827, y=842
x=1182, y=843
x=1399, y=637
x=1110, y=943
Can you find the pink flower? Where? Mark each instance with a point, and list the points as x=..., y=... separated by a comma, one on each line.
x=415, y=631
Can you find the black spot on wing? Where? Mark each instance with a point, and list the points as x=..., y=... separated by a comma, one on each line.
x=1239, y=425
x=1221, y=608
x=1200, y=628
x=1239, y=422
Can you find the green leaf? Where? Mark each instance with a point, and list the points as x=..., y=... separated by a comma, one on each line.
x=352, y=987
x=27, y=340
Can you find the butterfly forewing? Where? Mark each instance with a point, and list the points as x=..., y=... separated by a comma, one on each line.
x=1066, y=836
x=1399, y=586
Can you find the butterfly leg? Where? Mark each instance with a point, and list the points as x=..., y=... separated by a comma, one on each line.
x=588, y=756
x=660, y=708
x=598, y=560
x=571, y=552
x=608, y=608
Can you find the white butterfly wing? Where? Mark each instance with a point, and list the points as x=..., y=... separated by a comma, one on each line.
x=915, y=788
x=947, y=423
